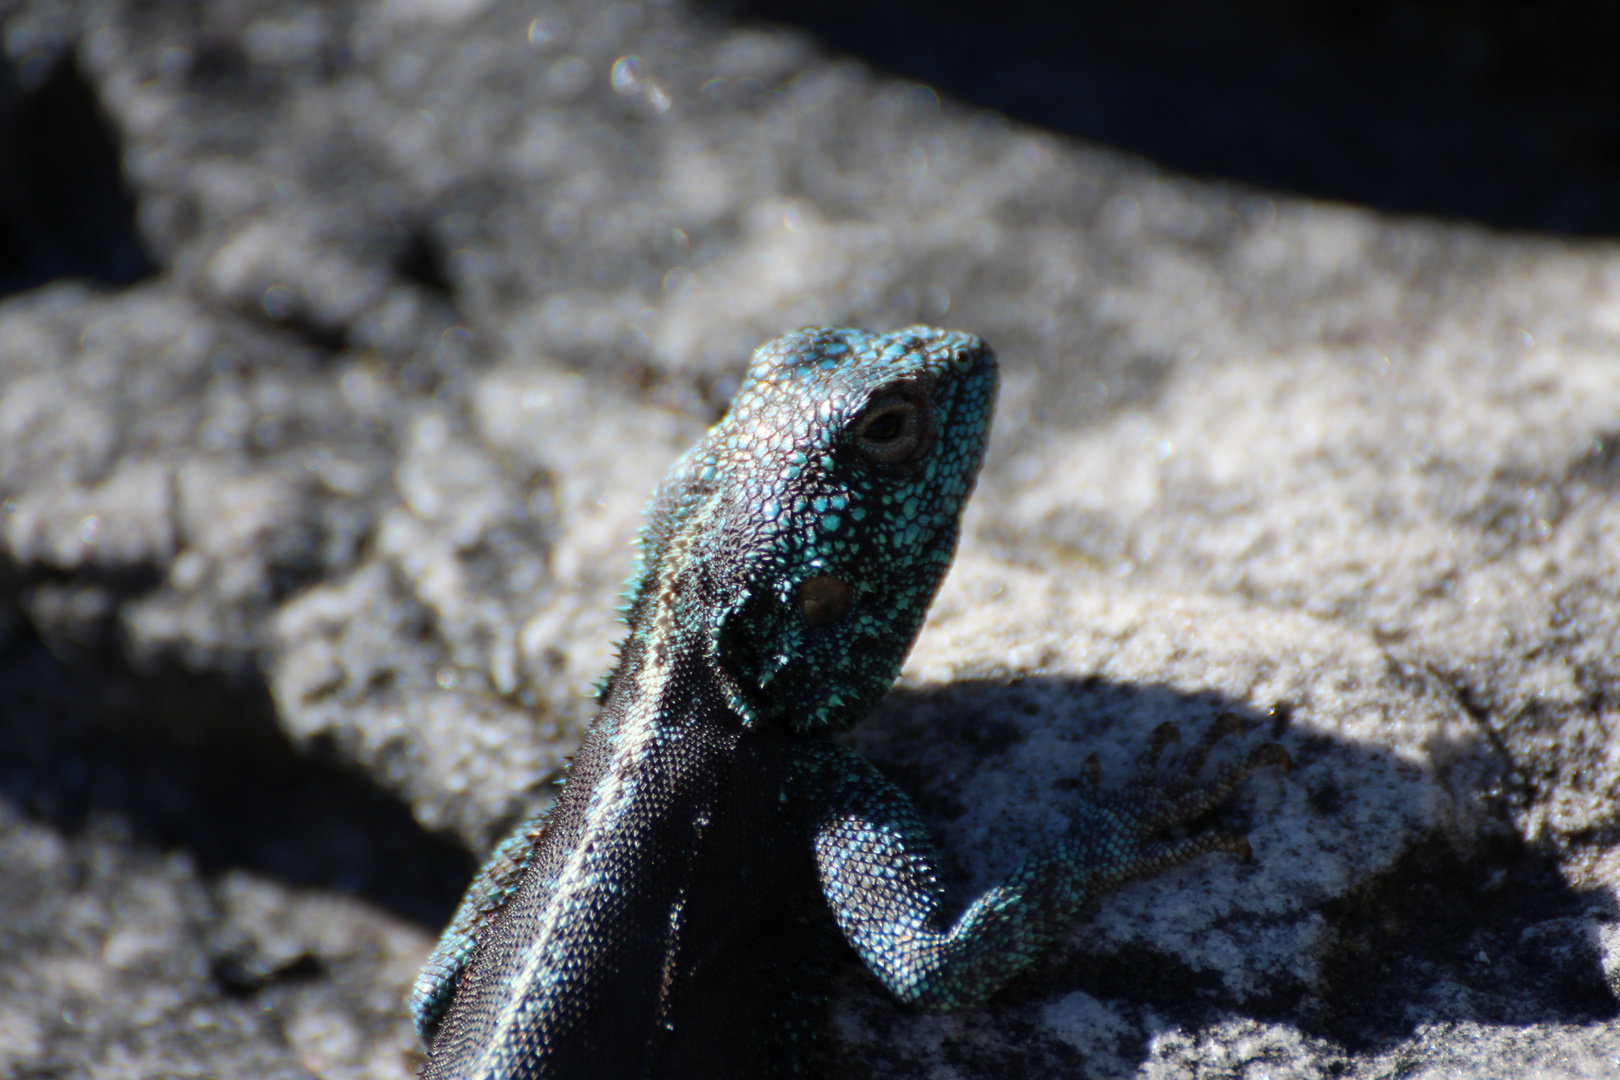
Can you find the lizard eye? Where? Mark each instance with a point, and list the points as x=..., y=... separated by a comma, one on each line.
x=894, y=429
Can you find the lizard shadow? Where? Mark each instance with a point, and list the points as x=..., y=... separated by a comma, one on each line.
x=1360, y=948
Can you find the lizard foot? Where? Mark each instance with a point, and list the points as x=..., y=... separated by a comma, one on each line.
x=1124, y=827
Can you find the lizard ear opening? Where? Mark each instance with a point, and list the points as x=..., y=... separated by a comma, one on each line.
x=824, y=600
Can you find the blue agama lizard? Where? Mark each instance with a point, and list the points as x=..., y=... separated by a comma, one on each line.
x=677, y=912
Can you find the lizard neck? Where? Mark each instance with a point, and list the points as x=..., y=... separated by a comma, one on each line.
x=669, y=665
x=660, y=684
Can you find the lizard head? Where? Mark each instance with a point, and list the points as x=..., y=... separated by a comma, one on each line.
x=799, y=544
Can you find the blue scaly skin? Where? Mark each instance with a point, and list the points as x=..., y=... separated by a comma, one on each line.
x=678, y=912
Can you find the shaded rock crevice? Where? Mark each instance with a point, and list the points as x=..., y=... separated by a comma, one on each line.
x=65, y=208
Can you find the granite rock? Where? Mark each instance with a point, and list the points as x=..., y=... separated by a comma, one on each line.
x=332, y=509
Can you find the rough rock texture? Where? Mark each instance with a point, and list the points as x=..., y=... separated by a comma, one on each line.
x=309, y=539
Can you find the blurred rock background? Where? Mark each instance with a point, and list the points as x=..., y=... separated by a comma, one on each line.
x=341, y=343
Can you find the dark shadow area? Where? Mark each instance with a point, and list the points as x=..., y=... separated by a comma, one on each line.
x=421, y=262
x=1481, y=924
x=64, y=208
x=1493, y=934
x=282, y=306
x=1505, y=112
x=196, y=762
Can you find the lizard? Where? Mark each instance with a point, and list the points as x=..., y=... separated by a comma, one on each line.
x=678, y=910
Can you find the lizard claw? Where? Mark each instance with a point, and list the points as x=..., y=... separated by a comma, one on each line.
x=1226, y=724
x=1163, y=736
x=1187, y=801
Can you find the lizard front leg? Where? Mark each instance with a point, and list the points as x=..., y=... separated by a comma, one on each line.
x=494, y=884
x=876, y=865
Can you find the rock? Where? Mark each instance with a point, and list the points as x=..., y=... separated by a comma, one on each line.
x=322, y=525
x=124, y=962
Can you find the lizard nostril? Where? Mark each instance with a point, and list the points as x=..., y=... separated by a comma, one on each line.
x=823, y=600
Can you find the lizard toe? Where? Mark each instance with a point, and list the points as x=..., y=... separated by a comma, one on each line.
x=1147, y=764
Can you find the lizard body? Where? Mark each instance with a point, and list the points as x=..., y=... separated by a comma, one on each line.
x=678, y=912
